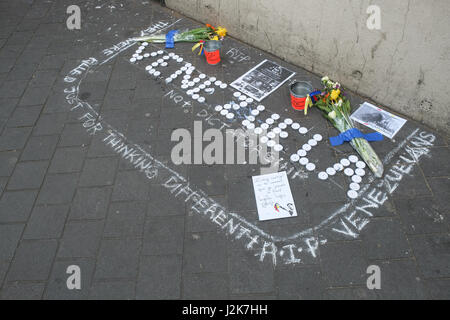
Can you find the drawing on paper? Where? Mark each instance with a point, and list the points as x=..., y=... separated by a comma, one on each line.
x=345, y=222
x=273, y=196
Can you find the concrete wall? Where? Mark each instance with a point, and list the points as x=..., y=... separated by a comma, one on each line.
x=405, y=65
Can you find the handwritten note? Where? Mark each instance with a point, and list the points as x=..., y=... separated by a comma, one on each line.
x=273, y=196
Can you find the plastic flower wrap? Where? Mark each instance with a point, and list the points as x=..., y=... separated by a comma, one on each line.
x=336, y=108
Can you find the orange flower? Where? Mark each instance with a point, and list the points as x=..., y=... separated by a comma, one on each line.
x=210, y=26
x=335, y=94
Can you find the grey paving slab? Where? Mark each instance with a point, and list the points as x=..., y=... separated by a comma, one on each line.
x=249, y=276
x=143, y=128
x=23, y=71
x=2, y=124
x=300, y=283
x=39, y=148
x=35, y=96
x=90, y=203
x=163, y=235
x=401, y=280
x=3, y=182
x=28, y=25
x=118, y=99
x=8, y=106
x=351, y=293
x=92, y=90
x=49, y=124
x=118, y=258
x=98, y=148
x=44, y=78
x=16, y=206
x=51, y=62
x=56, y=287
x=432, y=254
x=66, y=160
x=162, y=204
x=6, y=64
x=439, y=288
x=7, y=162
x=209, y=179
x=130, y=185
x=28, y=175
x=123, y=84
x=22, y=291
x=196, y=223
x=125, y=219
x=58, y=188
x=56, y=101
x=422, y=215
x=19, y=37
x=12, y=89
x=440, y=169
x=14, y=138
x=348, y=268
x=385, y=239
x=74, y=135
x=11, y=51
x=159, y=277
x=205, y=286
x=441, y=191
x=236, y=188
x=32, y=54
x=198, y=250
x=112, y=290
x=24, y=116
x=4, y=265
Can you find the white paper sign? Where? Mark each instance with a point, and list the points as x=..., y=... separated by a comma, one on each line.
x=273, y=196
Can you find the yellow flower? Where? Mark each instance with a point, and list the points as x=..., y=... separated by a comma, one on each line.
x=221, y=31
x=308, y=103
x=335, y=94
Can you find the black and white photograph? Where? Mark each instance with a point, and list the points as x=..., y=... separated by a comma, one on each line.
x=262, y=80
x=378, y=119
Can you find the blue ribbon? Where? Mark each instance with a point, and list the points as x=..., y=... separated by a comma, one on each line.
x=169, y=39
x=351, y=134
x=314, y=94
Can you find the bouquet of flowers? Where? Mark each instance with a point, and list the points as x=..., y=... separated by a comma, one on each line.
x=195, y=35
x=336, y=108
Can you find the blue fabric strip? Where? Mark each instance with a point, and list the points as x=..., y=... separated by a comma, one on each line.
x=169, y=39
x=351, y=134
x=314, y=94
